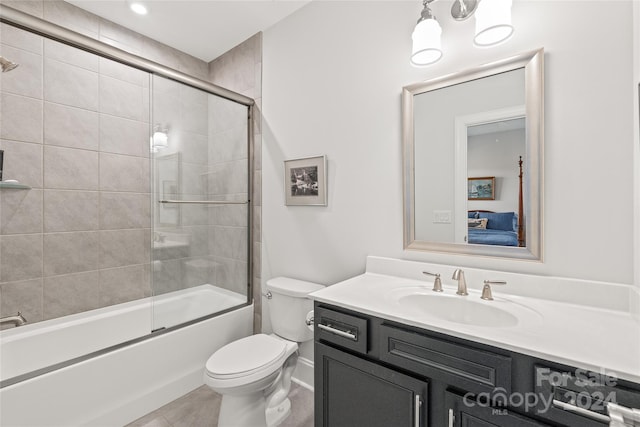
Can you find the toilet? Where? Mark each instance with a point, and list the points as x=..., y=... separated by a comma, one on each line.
x=253, y=374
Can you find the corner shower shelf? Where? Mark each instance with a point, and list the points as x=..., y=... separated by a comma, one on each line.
x=14, y=185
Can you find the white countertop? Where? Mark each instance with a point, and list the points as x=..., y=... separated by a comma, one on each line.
x=600, y=340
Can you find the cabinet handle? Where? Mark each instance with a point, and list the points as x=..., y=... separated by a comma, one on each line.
x=452, y=418
x=578, y=410
x=345, y=334
x=416, y=409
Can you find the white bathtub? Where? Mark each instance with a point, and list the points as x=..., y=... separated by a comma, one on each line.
x=116, y=387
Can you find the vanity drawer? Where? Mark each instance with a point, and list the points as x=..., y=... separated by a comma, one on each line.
x=342, y=329
x=579, y=397
x=474, y=370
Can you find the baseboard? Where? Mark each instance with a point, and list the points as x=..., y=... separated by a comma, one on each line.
x=303, y=375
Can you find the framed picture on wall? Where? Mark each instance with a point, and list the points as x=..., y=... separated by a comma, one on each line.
x=305, y=181
x=482, y=188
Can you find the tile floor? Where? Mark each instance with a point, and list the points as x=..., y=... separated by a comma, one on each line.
x=200, y=409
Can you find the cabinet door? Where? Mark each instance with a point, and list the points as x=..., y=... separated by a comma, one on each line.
x=464, y=412
x=353, y=392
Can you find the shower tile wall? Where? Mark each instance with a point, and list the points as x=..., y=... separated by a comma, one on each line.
x=61, y=244
x=81, y=237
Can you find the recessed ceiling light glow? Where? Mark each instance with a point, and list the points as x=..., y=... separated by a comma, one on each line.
x=138, y=8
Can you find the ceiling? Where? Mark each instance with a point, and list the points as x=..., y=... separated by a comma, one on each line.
x=202, y=28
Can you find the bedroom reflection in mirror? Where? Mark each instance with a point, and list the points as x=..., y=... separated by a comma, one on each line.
x=495, y=174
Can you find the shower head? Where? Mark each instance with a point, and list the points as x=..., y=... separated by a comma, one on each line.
x=7, y=65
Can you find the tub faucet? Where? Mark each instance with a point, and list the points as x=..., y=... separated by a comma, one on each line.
x=462, y=283
x=17, y=320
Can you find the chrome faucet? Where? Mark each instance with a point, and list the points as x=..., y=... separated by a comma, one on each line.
x=17, y=320
x=462, y=283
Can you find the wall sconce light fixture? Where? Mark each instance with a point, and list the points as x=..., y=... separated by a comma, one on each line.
x=426, y=38
x=159, y=139
x=493, y=26
x=493, y=22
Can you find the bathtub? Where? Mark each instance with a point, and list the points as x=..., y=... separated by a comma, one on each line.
x=48, y=380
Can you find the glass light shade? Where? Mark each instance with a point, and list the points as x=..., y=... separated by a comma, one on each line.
x=160, y=140
x=427, y=46
x=493, y=22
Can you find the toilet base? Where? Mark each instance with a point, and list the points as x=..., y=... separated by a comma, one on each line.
x=277, y=414
x=242, y=410
x=249, y=410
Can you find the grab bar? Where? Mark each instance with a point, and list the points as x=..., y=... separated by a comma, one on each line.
x=205, y=202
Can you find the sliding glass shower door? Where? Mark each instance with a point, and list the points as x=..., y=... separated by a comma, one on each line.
x=200, y=195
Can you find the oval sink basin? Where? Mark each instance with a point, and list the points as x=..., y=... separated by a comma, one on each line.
x=459, y=309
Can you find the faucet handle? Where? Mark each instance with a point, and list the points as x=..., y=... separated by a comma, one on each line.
x=437, y=283
x=486, y=289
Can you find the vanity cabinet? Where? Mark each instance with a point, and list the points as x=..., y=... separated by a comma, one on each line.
x=374, y=372
x=357, y=392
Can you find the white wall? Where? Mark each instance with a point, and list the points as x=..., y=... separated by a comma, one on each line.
x=332, y=80
x=496, y=154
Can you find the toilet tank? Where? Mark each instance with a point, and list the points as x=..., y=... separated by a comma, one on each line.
x=288, y=307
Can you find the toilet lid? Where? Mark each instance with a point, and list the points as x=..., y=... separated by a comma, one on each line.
x=245, y=356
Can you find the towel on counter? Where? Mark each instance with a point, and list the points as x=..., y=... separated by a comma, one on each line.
x=622, y=416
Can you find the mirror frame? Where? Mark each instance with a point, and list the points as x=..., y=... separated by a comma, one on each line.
x=533, y=64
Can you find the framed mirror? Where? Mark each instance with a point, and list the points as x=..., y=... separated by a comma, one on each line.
x=473, y=160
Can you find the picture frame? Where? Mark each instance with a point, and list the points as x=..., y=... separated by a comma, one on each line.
x=305, y=181
x=481, y=188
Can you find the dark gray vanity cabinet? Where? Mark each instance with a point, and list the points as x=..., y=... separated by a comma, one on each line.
x=357, y=392
x=373, y=372
x=465, y=412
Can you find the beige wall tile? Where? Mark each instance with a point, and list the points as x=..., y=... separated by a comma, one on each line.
x=70, y=211
x=118, y=285
x=228, y=242
x=123, y=36
x=228, y=145
x=70, y=55
x=74, y=252
x=192, y=66
x=193, y=147
x=21, y=257
x=124, y=173
x=228, y=178
x=21, y=212
x=24, y=297
x=70, y=85
x=231, y=274
x=120, y=248
x=124, y=136
x=22, y=162
x=72, y=17
x=20, y=39
x=26, y=80
x=120, y=98
x=160, y=53
x=124, y=210
x=70, y=168
x=123, y=72
x=69, y=294
x=167, y=276
x=21, y=118
x=70, y=126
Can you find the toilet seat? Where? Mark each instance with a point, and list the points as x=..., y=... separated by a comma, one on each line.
x=249, y=359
